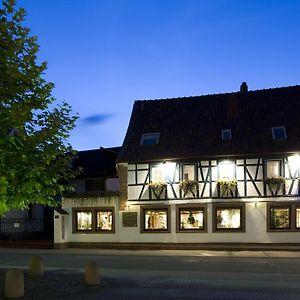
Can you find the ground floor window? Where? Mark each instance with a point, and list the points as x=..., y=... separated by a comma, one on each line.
x=83, y=220
x=229, y=217
x=191, y=218
x=283, y=217
x=155, y=219
x=105, y=219
x=96, y=219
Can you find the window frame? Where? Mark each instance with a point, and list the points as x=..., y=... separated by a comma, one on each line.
x=180, y=207
x=293, y=217
x=94, y=180
x=240, y=206
x=274, y=128
x=154, y=207
x=144, y=136
x=94, y=211
x=280, y=171
x=182, y=171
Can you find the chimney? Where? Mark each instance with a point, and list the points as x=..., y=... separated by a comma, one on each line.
x=244, y=88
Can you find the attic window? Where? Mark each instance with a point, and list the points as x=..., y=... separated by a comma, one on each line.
x=149, y=139
x=279, y=133
x=226, y=134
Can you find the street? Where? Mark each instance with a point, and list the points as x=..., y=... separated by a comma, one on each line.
x=160, y=274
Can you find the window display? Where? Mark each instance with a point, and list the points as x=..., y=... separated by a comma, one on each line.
x=229, y=218
x=156, y=219
x=84, y=220
x=191, y=219
x=105, y=220
x=280, y=218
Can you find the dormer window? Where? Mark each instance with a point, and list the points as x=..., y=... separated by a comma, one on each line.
x=149, y=139
x=226, y=134
x=279, y=133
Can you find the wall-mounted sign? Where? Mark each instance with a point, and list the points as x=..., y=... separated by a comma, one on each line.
x=129, y=219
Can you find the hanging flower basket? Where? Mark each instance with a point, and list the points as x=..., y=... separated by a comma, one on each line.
x=188, y=186
x=157, y=188
x=227, y=187
x=275, y=184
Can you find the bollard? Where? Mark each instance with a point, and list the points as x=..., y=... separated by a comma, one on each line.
x=92, y=274
x=36, y=267
x=14, y=283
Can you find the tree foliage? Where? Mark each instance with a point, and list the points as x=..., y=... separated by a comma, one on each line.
x=35, y=159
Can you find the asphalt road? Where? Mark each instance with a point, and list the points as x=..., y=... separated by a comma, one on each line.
x=155, y=276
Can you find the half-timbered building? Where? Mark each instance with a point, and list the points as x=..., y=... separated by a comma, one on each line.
x=220, y=168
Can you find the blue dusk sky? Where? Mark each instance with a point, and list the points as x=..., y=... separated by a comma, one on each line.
x=104, y=54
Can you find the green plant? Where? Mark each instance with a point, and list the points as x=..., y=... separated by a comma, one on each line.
x=188, y=186
x=275, y=184
x=227, y=187
x=157, y=188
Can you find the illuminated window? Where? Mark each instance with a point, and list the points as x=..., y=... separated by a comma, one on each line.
x=226, y=134
x=83, y=220
x=279, y=133
x=93, y=220
x=157, y=174
x=283, y=217
x=149, y=139
x=279, y=217
x=104, y=220
x=298, y=218
x=273, y=168
x=155, y=219
x=294, y=164
x=191, y=218
x=226, y=169
x=188, y=172
x=229, y=217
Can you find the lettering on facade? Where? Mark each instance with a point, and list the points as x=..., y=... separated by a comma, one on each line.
x=129, y=219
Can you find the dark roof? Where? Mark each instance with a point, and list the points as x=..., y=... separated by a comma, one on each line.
x=191, y=127
x=97, y=163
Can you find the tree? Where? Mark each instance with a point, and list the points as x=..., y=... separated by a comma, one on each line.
x=35, y=158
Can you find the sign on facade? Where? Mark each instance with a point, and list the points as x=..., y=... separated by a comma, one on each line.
x=129, y=219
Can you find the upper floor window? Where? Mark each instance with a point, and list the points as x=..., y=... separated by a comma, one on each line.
x=149, y=139
x=279, y=133
x=273, y=168
x=157, y=174
x=226, y=169
x=95, y=184
x=226, y=134
x=188, y=172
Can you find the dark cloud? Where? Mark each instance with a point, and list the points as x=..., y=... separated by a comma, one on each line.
x=96, y=119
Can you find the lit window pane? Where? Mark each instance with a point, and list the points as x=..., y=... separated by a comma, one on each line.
x=157, y=174
x=188, y=172
x=84, y=220
x=298, y=217
x=228, y=218
x=156, y=219
x=273, y=168
x=191, y=218
x=226, y=169
x=104, y=220
x=280, y=218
